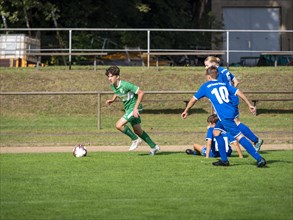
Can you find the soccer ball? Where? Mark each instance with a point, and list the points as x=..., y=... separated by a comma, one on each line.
x=79, y=151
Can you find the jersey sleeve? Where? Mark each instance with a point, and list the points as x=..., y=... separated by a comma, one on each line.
x=200, y=93
x=209, y=135
x=225, y=75
x=131, y=87
x=232, y=90
x=232, y=76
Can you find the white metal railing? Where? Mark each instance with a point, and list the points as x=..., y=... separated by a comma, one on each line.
x=149, y=50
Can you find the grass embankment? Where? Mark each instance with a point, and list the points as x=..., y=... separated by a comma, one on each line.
x=70, y=119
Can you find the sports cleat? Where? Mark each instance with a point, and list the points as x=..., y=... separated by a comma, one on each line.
x=189, y=152
x=258, y=144
x=221, y=163
x=261, y=163
x=135, y=144
x=154, y=150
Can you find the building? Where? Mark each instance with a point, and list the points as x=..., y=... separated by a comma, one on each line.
x=255, y=15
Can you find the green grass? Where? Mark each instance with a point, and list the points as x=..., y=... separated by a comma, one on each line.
x=171, y=185
x=165, y=129
x=134, y=185
x=70, y=119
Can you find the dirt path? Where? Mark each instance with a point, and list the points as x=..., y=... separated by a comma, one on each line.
x=117, y=148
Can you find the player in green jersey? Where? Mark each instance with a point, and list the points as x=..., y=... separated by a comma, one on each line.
x=131, y=96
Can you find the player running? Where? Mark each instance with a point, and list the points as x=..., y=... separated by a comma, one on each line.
x=228, y=78
x=131, y=96
x=220, y=94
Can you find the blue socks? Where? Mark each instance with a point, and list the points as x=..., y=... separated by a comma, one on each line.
x=221, y=146
x=245, y=130
x=249, y=148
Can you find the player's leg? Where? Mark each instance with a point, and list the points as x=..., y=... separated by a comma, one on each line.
x=198, y=148
x=221, y=146
x=143, y=135
x=246, y=131
x=121, y=126
x=231, y=127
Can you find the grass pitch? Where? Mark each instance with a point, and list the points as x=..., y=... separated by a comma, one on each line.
x=135, y=185
x=170, y=185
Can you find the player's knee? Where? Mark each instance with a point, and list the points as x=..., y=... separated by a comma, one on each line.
x=119, y=126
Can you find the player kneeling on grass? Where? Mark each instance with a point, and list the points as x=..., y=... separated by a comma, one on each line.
x=220, y=95
x=131, y=96
x=211, y=148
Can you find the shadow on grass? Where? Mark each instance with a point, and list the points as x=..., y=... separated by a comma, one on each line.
x=235, y=155
x=278, y=161
x=165, y=153
x=274, y=111
x=172, y=111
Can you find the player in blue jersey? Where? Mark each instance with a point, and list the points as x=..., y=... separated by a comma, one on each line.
x=211, y=148
x=226, y=76
x=220, y=94
x=131, y=96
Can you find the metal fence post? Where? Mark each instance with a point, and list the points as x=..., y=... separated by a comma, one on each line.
x=148, y=49
x=99, y=111
x=70, y=48
x=227, y=49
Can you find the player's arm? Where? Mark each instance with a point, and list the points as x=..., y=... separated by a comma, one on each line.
x=235, y=82
x=208, y=146
x=140, y=95
x=243, y=97
x=236, y=145
x=110, y=101
x=191, y=102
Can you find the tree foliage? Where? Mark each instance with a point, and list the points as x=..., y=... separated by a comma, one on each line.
x=189, y=14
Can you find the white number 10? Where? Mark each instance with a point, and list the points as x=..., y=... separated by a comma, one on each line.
x=221, y=94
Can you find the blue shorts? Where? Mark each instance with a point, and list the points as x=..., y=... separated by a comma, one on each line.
x=215, y=153
x=236, y=113
x=228, y=124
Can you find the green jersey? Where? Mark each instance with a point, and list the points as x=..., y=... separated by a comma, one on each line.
x=127, y=92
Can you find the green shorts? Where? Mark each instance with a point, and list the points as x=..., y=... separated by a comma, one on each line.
x=128, y=116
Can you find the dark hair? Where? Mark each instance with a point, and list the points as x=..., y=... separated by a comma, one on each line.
x=213, y=119
x=213, y=72
x=114, y=70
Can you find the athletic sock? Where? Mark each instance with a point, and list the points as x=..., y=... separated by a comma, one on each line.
x=129, y=133
x=249, y=148
x=221, y=147
x=245, y=130
x=147, y=139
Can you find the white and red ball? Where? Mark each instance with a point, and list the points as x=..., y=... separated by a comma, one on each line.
x=79, y=151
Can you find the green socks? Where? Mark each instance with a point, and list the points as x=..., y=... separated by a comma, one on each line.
x=147, y=139
x=129, y=133
x=144, y=136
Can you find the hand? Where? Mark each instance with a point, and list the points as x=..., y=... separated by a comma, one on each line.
x=135, y=113
x=252, y=109
x=109, y=102
x=184, y=115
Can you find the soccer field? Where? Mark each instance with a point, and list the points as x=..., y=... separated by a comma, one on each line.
x=170, y=185
x=134, y=185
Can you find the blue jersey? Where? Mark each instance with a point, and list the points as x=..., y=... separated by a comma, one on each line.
x=227, y=77
x=214, y=145
x=220, y=95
